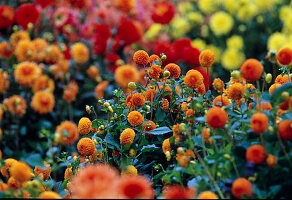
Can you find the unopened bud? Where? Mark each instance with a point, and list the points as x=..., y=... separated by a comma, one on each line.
x=132, y=86
x=182, y=127
x=168, y=156
x=106, y=104
x=163, y=57
x=285, y=95
x=227, y=156
x=110, y=109
x=132, y=153
x=268, y=78
x=180, y=150
x=87, y=108
x=166, y=73
x=101, y=127
x=235, y=74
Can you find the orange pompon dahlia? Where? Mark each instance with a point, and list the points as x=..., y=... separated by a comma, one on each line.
x=216, y=117
x=259, y=123
x=282, y=79
x=207, y=195
x=256, y=154
x=190, y=112
x=134, y=187
x=149, y=126
x=17, y=37
x=53, y=54
x=49, y=195
x=193, y=79
x=5, y=170
x=154, y=71
x=150, y=94
x=235, y=91
x=4, y=82
x=154, y=60
x=15, y=105
x=285, y=130
x=130, y=170
x=127, y=136
x=166, y=145
x=138, y=100
x=218, y=85
x=95, y=182
x=93, y=72
x=240, y=187
x=252, y=69
x=86, y=146
x=178, y=192
x=135, y=118
x=25, y=51
x=271, y=160
x=184, y=106
x=43, y=82
x=84, y=126
x=124, y=5
x=141, y=57
x=264, y=106
x=273, y=87
x=99, y=89
x=165, y=104
x=68, y=132
x=174, y=70
x=26, y=73
x=43, y=102
x=284, y=56
x=206, y=58
x=40, y=46
x=206, y=135
x=126, y=74
x=21, y=171
x=80, y=53
x=221, y=101
x=70, y=91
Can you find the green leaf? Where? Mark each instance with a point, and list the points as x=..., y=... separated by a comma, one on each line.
x=34, y=160
x=160, y=131
x=149, y=148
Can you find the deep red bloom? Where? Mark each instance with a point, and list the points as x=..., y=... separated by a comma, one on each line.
x=102, y=30
x=206, y=77
x=180, y=44
x=166, y=48
x=163, y=12
x=45, y=3
x=6, y=16
x=111, y=59
x=25, y=14
x=99, y=45
x=191, y=56
x=128, y=31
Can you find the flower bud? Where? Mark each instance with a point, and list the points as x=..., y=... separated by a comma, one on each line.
x=163, y=56
x=271, y=129
x=182, y=127
x=87, y=108
x=180, y=150
x=101, y=127
x=132, y=86
x=106, y=104
x=285, y=95
x=110, y=109
x=166, y=73
x=227, y=156
x=235, y=74
x=268, y=78
x=168, y=156
x=132, y=153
